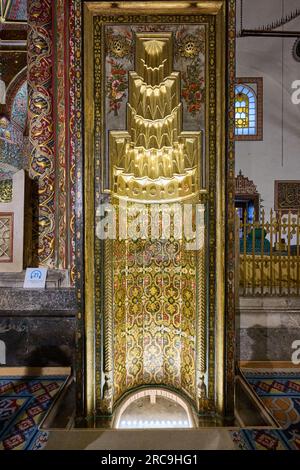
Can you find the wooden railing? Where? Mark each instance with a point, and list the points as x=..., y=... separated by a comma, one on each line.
x=270, y=254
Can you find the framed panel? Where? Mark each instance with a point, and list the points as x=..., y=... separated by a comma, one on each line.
x=6, y=237
x=287, y=195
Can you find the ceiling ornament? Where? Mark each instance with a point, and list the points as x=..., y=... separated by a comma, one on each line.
x=271, y=28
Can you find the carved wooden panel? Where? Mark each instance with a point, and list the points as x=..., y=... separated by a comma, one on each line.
x=244, y=186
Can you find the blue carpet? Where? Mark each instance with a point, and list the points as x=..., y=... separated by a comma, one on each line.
x=280, y=393
x=24, y=402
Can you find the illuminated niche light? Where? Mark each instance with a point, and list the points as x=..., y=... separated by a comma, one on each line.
x=153, y=424
x=154, y=409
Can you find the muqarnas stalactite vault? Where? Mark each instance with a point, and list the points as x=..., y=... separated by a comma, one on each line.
x=154, y=159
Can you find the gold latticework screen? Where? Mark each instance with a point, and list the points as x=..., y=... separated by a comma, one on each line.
x=154, y=315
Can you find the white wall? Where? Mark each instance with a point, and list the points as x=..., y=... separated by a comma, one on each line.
x=278, y=155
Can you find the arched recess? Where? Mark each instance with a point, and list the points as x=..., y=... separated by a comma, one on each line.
x=13, y=88
x=19, y=109
x=14, y=121
x=154, y=392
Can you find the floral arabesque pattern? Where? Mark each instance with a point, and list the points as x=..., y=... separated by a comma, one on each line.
x=117, y=85
x=193, y=87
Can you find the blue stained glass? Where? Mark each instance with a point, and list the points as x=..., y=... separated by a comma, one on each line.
x=246, y=118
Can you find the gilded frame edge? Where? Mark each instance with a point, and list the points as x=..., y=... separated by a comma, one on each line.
x=89, y=246
x=209, y=7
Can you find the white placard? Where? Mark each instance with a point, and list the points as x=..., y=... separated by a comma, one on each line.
x=35, y=278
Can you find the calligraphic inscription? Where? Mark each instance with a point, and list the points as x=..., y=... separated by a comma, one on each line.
x=287, y=195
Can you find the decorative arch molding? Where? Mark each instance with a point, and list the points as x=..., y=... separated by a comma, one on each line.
x=147, y=392
x=14, y=87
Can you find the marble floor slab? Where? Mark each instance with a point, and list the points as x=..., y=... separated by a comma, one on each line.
x=113, y=439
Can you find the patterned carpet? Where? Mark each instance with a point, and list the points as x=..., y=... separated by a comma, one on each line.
x=280, y=392
x=24, y=403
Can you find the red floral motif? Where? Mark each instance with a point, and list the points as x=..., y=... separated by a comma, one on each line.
x=41, y=71
x=40, y=12
x=193, y=87
x=117, y=85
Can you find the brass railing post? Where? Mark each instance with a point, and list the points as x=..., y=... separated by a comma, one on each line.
x=245, y=253
x=262, y=252
x=271, y=250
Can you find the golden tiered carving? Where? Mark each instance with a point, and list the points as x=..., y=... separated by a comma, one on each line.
x=154, y=159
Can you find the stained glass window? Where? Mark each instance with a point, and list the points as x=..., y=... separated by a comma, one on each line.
x=245, y=111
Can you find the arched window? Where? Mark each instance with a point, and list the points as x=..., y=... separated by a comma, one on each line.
x=245, y=111
x=248, y=109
